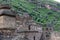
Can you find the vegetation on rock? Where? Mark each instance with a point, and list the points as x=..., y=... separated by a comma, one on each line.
x=43, y=12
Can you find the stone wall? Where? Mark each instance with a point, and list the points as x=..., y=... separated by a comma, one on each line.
x=31, y=30
x=15, y=27
x=25, y=28
x=7, y=22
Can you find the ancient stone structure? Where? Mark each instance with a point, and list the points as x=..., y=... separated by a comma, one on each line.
x=15, y=27
x=7, y=22
x=28, y=27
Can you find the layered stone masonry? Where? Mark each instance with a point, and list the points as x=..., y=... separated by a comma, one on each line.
x=14, y=27
x=31, y=30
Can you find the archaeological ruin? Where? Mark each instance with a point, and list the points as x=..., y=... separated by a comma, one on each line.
x=15, y=27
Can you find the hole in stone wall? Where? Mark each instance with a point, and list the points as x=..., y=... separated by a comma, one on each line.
x=50, y=29
x=46, y=28
x=34, y=37
x=47, y=35
x=29, y=27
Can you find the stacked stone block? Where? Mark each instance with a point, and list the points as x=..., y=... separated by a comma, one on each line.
x=15, y=27
x=31, y=30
